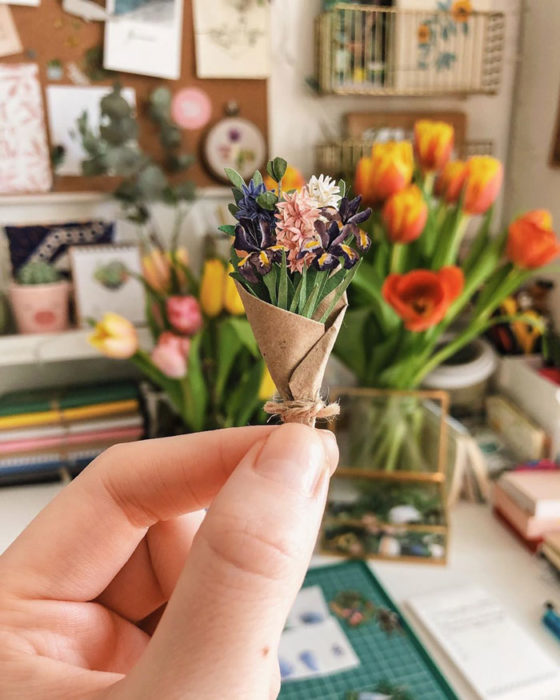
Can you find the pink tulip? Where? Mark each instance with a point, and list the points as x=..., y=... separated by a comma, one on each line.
x=170, y=355
x=184, y=314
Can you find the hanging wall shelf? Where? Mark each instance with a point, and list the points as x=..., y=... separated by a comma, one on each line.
x=369, y=50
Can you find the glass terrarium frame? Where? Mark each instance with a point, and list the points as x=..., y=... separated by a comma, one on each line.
x=434, y=479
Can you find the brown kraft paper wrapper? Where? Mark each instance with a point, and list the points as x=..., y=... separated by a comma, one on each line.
x=296, y=349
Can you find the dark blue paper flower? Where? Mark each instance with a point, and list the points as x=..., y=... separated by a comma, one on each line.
x=249, y=207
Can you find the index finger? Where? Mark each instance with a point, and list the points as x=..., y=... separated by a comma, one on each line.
x=76, y=545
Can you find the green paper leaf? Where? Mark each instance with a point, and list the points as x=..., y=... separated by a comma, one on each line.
x=270, y=282
x=283, y=283
x=276, y=168
x=235, y=178
x=257, y=178
x=229, y=229
x=342, y=187
x=341, y=289
x=267, y=200
x=233, y=209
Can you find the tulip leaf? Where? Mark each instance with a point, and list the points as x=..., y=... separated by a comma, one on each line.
x=245, y=397
x=235, y=178
x=195, y=391
x=229, y=344
x=350, y=344
x=243, y=329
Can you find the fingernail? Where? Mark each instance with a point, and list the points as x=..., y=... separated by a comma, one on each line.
x=331, y=449
x=295, y=456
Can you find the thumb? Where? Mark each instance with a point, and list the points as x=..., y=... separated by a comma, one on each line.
x=220, y=633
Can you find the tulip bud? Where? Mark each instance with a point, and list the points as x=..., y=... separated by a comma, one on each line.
x=531, y=241
x=483, y=183
x=388, y=170
x=184, y=314
x=433, y=143
x=170, y=355
x=212, y=287
x=232, y=300
x=451, y=180
x=155, y=267
x=267, y=387
x=115, y=337
x=405, y=214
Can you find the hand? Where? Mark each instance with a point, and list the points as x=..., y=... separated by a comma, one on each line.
x=117, y=591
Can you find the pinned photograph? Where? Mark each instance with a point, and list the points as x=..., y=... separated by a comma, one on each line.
x=144, y=37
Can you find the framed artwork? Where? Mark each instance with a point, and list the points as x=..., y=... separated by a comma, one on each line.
x=50, y=243
x=555, y=154
x=104, y=280
x=144, y=37
x=234, y=143
x=232, y=38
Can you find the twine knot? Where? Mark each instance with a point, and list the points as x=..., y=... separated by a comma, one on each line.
x=305, y=411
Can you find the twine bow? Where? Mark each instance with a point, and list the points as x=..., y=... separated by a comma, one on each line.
x=305, y=411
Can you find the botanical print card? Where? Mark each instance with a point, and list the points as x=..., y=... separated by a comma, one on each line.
x=29, y=3
x=232, y=38
x=24, y=153
x=144, y=37
x=10, y=43
x=65, y=104
x=105, y=279
x=315, y=650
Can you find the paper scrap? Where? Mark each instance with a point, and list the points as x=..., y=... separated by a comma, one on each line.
x=10, y=43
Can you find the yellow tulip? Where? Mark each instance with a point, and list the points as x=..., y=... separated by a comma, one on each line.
x=212, y=287
x=433, y=143
x=232, y=300
x=115, y=337
x=388, y=170
x=267, y=388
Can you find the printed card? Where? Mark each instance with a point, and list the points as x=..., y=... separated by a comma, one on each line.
x=310, y=607
x=315, y=650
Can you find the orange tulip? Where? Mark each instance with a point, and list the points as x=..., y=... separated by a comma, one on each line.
x=433, y=143
x=388, y=170
x=483, y=182
x=292, y=180
x=531, y=241
x=157, y=265
x=405, y=214
x=451, y=180
x=422, y=297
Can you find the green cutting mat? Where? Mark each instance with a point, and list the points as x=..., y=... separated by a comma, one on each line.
x=399, y=658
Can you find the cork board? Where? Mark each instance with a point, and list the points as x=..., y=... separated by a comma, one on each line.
x=48, y=33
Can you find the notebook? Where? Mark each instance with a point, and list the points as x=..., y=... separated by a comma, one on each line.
x=529, y=526
x=495, y=655
x=537, y=492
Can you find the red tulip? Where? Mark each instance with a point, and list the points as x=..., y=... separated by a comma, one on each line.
x=422, y=297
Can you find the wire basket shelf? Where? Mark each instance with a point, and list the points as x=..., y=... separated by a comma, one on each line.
x=370, y=50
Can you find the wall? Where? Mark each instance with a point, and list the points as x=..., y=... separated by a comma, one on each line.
x=298, y=120
x=532, y=183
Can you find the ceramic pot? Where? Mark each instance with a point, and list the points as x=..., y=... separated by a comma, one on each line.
x=40, y=308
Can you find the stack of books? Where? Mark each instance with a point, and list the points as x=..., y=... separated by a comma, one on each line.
x=528, y=502
x=46, y=431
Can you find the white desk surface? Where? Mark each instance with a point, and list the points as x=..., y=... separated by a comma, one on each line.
x=482, y=551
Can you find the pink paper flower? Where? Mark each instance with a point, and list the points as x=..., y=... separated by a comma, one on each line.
x=296, y=217
x=170, y=355
x=184, y=314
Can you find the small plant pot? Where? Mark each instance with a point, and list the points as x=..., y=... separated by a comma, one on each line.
x=40, y=308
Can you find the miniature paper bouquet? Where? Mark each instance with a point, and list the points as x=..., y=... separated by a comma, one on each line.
x=294, y=253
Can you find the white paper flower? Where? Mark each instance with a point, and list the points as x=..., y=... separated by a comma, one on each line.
x=324, y=191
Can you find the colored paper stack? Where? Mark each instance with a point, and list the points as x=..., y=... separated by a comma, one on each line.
x=528, y=502
x=551, y=549
x=45, y=431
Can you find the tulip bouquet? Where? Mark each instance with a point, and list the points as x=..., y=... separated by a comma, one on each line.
x=415, y=282
x=294, y=254
x=205, y=357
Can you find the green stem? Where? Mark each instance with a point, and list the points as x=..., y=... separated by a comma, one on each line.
x=396, y=258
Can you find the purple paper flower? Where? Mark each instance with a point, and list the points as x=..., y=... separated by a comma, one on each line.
x=255, y=243
x=350, y=218
x=328, y=246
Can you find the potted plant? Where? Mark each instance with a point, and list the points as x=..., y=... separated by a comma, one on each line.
x=39, y=299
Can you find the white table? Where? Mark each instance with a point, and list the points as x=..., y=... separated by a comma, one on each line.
x=482, y=551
